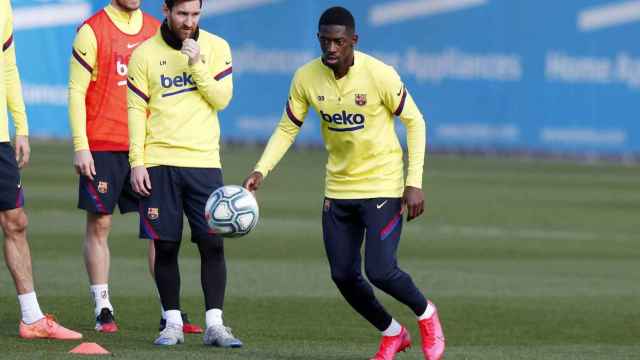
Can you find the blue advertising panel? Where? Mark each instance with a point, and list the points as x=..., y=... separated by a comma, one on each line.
x=488, y=74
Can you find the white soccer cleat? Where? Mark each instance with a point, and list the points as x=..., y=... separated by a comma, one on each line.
x=171, y=335
x=221, y=336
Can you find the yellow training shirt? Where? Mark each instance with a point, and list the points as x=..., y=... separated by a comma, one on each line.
x=10, y=88
x=357, y=122
x=86, y=46
x=182, y=101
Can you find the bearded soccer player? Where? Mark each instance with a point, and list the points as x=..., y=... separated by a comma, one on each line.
x=356, y=97
x=182, y=78
x=98, y=118
x=13, y=219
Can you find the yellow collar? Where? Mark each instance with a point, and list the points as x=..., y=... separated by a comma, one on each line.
x=121, y=16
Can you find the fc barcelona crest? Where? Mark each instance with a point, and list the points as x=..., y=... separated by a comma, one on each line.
x=361, y=99
x=103, y=187
x=153, y=213
x=327, y=205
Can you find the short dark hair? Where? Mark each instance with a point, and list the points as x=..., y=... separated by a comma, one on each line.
x=337, y=15
x=171, y=3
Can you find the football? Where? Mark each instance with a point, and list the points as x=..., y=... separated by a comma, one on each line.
x=231, y=211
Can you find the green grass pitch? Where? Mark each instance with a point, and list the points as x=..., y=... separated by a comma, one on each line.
x=525, y=260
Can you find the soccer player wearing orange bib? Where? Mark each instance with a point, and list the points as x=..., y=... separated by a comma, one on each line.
x=13, y=220
x=357, y=97
x=98, y=119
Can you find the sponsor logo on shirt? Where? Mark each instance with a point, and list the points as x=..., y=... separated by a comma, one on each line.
x=178, y=81
x=121, y=64
x=354, y=121
x=181, y=83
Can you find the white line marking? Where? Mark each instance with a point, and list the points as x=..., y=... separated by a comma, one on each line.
x=218, y=7
x=398, y=11
x=599, y=17
x=35, y=17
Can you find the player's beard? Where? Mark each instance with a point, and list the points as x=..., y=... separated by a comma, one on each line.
x=180, y=32
x=128, y=5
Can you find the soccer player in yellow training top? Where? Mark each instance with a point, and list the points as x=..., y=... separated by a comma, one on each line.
x=178, y=82
x=356, y=97
x=13, y=219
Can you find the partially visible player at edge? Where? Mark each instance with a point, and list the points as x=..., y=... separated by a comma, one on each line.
x=13, y=219
x=178, y=82
x=98, y=119
x=356, y=97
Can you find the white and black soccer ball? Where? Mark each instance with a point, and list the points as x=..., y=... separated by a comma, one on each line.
x=231, y=211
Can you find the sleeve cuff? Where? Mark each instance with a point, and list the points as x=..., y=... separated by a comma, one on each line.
x=262, y=170
x=80, y=144
x=415, y=182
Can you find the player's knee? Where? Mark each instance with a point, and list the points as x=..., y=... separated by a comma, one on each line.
x=99, y=227
x=211, y=246
x=343, y=277
x=15, y=223
x=166, y=252
x=380, y=278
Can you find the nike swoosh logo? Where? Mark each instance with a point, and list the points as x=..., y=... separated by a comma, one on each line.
x=379, y=206
x=400, y=92
x=131, y=46
x=83, y=53
x=227, y=62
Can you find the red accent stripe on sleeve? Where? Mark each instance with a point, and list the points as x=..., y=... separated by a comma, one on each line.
x=292, y=117
x=137, y=91
x=81, y=61
x=401, y=106
x=7, y=43
x=224, y=73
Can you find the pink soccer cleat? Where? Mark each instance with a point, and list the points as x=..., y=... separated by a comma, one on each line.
x=106, y=322
x=391, y=345
x=433, y=341
x=47, y=328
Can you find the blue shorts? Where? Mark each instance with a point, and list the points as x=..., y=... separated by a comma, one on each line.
x=11, y=193
x=110, y=185
x=176, y=191
x=347, y=223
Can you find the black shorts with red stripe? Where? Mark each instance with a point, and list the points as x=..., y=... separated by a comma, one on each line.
x=110, y=186
x=176, y=191
x=11, y=192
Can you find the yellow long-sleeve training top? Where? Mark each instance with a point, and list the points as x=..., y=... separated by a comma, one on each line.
x=10, y=88
x=182, y=102
x=357, y=123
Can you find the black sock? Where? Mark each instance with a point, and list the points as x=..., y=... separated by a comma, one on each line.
x=167, y=273
x=213, y=271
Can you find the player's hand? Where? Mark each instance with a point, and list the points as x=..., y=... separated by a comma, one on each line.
x=140, y=181
x=23, y=151
x=253, y=181
x=413, y=200
x=83, y=162
x=191, y=48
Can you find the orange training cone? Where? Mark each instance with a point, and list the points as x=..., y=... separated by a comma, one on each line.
x=89, y=348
